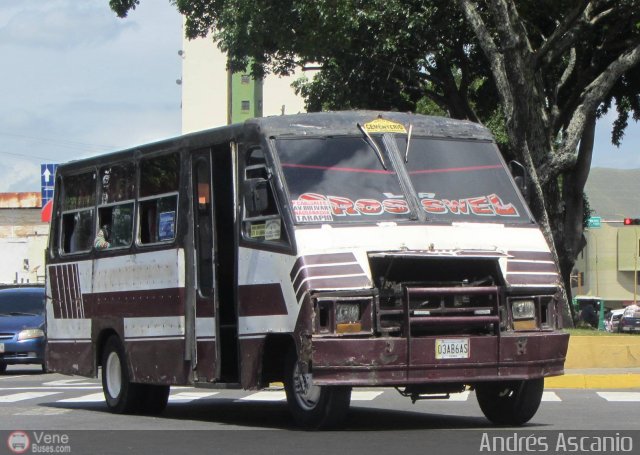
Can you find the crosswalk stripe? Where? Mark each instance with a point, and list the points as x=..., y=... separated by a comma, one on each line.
x=68, y=382
x=550, y=396
x=91, y=398
x=24, y=396
x=185, y=397
x=360, y=395
x=264, y=396
x=620, y=396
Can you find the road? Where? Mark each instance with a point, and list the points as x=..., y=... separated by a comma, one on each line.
x=378, y=418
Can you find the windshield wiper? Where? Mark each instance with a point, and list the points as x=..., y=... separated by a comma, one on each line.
x=406, y=152
x=373, y=145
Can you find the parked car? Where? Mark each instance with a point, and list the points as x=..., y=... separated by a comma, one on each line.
x=630, y=320
x=22, y=330
x=613, y=319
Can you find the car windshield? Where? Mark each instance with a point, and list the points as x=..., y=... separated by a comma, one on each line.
x=457, y=180
x=340, y=179
x=21, y=303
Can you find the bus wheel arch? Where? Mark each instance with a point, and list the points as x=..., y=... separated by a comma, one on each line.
x=312, y=406
x=121, y=395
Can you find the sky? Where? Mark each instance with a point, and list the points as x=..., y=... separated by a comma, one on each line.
x=76, y=81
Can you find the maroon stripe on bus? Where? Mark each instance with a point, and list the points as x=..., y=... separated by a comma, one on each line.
x=55, y=292
x=204, y=307
x=329, y=270
x=531, y=255
x=336, y=283
x=317, y=259
x=145, y=303
x=261, y=300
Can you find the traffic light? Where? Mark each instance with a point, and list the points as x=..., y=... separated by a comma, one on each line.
x=631, y=221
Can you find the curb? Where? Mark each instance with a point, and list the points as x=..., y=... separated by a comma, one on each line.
x=594, y=381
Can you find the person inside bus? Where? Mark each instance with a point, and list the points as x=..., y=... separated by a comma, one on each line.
x=102, y=239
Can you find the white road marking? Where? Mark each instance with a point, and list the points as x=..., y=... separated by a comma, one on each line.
x=264, y=396
x=68, y=382
x=620, y=396
x=550, y=396
x=186, y=397
x=24, y=396
x=52, y=388
x=361, y=395
x=42, y=411
x=13, y=377
x=91, y=398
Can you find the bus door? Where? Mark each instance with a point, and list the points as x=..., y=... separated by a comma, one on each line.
x=207, y=331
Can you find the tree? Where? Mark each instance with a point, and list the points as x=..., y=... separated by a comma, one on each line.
x=539, y=71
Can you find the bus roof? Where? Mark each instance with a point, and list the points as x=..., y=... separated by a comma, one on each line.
x=308, y=124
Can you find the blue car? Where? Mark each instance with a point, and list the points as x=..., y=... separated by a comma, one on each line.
x=22, y=331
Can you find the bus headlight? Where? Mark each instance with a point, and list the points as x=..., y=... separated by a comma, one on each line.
x=347, y=312
x=524, y=315
x=348, y=317
x=523, y=309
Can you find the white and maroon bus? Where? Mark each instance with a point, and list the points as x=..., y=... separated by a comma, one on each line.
x=327, y=251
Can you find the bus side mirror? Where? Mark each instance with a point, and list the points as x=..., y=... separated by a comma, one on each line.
x=256, y=196
x=521, y=177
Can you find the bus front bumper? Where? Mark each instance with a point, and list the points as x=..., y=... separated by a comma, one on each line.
x=396, y=361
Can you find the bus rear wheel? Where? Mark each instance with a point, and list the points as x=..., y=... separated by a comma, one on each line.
x=510, y=403
x=122, y=396
x=313, y=406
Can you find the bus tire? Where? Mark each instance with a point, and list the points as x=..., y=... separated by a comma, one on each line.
x=3, y=368
x=122, y=396
x=510, y=402
x=313, y=407
x=153, y=398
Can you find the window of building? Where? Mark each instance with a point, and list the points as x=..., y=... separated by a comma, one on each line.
x=158, y=199
x=78, y=208
x=246, y=105
x=245, y=79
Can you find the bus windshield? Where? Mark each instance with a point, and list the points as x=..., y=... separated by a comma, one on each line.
x=340, y=179
x=457, y=180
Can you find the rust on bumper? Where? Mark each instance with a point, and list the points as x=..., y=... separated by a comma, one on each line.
x=397, y=361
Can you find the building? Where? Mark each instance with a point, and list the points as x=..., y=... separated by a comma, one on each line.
x=608, y=265
x=23, y=239
x=212, y=96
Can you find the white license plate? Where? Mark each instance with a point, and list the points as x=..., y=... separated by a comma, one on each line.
x=1, y=348
x=452, y=348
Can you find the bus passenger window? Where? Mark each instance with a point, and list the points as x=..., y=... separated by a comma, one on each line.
x=158, y=199
x=78, y=212
x=115, y=211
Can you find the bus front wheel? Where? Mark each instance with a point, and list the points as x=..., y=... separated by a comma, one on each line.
x=510, y=403
x=122, y=396
x=313, y=406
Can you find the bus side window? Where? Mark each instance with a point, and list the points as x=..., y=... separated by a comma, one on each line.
x=158, y=199
x=78, y=212
x=262, y=221
x=115, y=211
